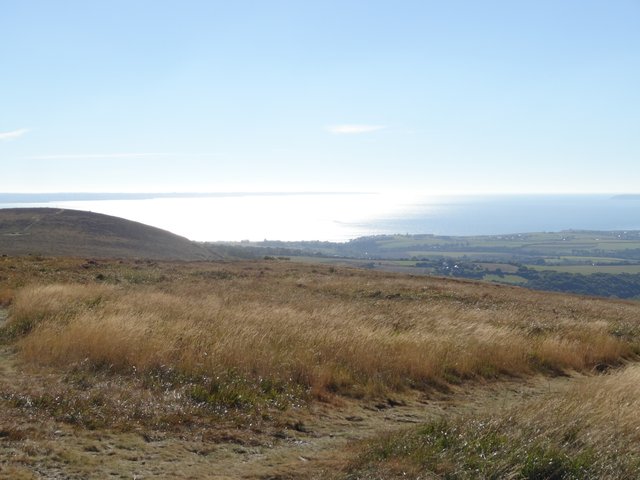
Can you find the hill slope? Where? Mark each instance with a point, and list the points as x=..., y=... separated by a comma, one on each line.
x=272, y=368
x=59, y=232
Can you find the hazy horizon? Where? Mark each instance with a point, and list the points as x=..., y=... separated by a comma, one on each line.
x=344, y=216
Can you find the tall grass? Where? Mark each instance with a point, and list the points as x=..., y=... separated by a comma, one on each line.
x=53, y=304
x=591, y=430
x=347, y=332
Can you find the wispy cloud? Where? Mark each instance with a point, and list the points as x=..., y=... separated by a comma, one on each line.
x=351, y=129
x=5, y=136
x=99, y=156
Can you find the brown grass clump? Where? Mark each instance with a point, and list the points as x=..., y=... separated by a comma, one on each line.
x=327, y=331
x=6, y=296
x=54, y=303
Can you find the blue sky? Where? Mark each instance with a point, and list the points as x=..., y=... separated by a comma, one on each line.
x=429, y=96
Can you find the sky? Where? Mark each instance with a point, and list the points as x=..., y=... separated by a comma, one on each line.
x=448, y=96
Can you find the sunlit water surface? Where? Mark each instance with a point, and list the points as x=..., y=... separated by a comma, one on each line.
x=340, y=217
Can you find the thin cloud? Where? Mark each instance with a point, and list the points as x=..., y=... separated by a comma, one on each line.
x=6, y=136
x=99, y=156
x=351, y=129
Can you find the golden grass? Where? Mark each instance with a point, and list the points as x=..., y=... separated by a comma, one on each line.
x=6, y=296
x=329, y=331
x=590, y=430
x=601, y=410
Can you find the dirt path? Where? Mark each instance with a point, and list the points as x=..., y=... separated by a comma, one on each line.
x=313, y=444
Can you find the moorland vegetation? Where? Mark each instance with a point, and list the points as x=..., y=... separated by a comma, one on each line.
x=145, y=346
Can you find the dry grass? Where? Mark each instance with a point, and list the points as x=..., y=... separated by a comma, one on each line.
x=348, y=332
x=6, y=296
x=234, y=353
x=589, y=431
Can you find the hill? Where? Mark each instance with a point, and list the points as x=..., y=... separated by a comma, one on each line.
x=59, y=232
x=277, y=369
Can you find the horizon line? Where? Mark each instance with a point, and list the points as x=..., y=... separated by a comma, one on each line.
x=306, y=192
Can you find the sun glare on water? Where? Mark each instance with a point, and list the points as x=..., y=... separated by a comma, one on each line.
x=325, y=217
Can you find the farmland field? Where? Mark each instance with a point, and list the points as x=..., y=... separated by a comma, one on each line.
x=535, y=260
x=588, y=269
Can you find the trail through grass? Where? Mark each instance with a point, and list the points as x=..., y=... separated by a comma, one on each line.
x=590, y=429
x=314, y=442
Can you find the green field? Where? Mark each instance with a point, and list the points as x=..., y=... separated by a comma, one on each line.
x=460, y=254
x=582, y=259
x=504, y=267
x=514, y=279
x=589, y=269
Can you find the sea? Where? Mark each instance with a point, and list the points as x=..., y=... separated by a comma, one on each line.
x=339, y=217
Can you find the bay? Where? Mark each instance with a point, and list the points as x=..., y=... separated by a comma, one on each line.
x=343, y=216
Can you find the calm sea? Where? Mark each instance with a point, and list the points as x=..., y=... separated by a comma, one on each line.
x=340, y=217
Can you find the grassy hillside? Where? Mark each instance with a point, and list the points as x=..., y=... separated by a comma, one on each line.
x=265, y=369
x=58, y=232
